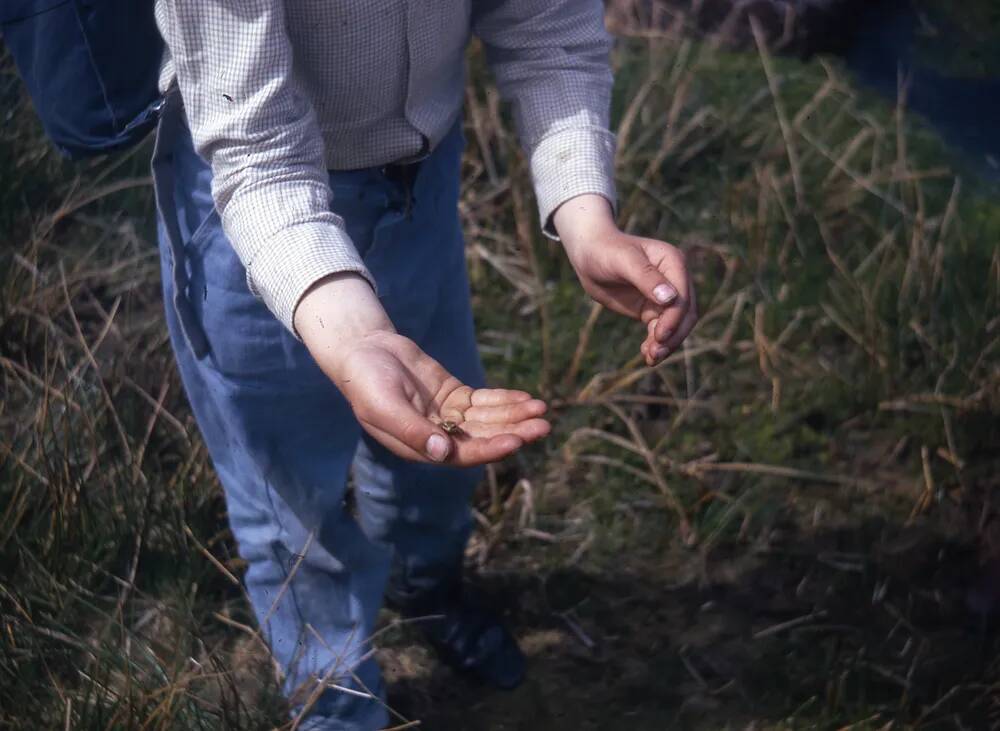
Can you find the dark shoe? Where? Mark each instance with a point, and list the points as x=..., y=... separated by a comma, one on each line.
x=471, y=639
x=475, y=641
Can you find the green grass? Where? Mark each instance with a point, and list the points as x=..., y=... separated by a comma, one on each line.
x=828, y=436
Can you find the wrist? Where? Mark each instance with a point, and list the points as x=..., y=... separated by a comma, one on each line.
x=584, y=218
x=337, y=312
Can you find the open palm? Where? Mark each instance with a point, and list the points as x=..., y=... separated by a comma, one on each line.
x=402, y=396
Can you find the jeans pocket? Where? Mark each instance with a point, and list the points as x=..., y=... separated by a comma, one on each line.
x=246, y=343
x=244, y=340
x=211, y=258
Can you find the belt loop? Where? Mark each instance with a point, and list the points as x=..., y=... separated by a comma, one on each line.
x=164, y=185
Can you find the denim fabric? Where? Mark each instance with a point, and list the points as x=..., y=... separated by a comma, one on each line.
x=91, y=67
x=282, y=437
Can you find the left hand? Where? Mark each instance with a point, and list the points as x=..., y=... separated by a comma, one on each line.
x=640, y=278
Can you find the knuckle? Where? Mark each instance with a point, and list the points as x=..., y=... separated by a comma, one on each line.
x=410, y=431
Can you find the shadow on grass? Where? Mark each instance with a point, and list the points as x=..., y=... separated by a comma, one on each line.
x=871, y=624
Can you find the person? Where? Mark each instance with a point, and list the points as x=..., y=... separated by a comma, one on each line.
x=307, y=179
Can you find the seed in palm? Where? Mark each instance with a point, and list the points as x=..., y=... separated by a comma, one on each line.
x=451, y=427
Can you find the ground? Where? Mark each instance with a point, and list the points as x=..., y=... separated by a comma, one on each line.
x=792, y=523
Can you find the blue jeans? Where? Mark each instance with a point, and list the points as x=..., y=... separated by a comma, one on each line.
x=283, y=439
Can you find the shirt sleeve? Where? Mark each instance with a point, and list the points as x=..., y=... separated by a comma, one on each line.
x=550, y=59
x=249, y=120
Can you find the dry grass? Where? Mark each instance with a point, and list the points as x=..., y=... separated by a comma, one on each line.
x=806, y=488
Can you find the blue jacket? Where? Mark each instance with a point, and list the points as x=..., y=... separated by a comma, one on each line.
x=90, y=66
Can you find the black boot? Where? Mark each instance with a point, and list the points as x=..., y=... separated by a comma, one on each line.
x=466, y=635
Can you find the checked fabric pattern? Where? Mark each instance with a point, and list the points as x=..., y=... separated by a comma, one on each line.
x=278, y=92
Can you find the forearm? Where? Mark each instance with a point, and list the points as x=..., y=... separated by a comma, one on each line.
x=550, y=60
x=582, y=218
x=233, y=62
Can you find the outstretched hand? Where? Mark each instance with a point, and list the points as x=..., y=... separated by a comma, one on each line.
x=640, y=278
x=402, y=396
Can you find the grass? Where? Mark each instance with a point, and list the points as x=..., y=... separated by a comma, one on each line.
x=787, y=525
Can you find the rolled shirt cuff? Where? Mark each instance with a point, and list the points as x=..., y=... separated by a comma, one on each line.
x=302, y=254
x=569, y=163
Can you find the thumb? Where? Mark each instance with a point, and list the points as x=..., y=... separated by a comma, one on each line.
x=419, y=433
x=438, y=447
x=641, y=273
x=398, y=424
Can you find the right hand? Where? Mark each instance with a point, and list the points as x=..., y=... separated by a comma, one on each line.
x=399, y=394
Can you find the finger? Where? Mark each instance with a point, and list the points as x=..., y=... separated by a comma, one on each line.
x=683, y=330
x=470, y=452
x=528, y=431
x=688, y=323
x=657, y=353
x=651, y=329
x=452, y=400
x=509, y=414
x=657, y=350
x=649, y=343
x=649, y=311
x=654, y=350
x=649, y=349
x=670, y=320
x=642, y=273
x=498, y=396
x=660, y=351
x=647, y=354
x=672, y=265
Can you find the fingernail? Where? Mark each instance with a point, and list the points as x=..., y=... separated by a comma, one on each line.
x=664, y=293
x=438, y=447
x=662, y=352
